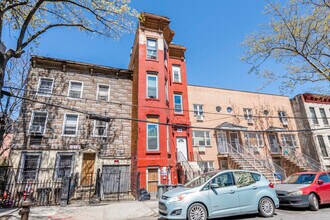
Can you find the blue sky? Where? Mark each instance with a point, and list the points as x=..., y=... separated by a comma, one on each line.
x=212, y=31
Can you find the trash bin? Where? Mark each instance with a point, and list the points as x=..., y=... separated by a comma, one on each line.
x=160, y=190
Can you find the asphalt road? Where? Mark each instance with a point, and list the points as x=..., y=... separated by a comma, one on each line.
x=281, y=214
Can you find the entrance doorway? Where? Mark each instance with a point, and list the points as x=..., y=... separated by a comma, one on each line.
x=152, y=181
x=234, y=140
x=87, y=169
x=273, y=142
x=181, y=146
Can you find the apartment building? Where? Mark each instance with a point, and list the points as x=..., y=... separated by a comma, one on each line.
x=238, y=129
x=312, y=113
x=160, y=102
x=69, y=126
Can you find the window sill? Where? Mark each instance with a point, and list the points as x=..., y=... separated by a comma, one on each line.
x=44, y=95
x=153, y=152
x=179, y=83
x=68, y=135
x=153, y=99
x=152, y=60
x=72, y=98
x=178, y=114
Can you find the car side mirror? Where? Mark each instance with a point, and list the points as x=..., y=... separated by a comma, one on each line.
x=214, y=186
x=319, y=182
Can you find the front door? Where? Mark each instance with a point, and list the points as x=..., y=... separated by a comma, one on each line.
x=224, y=199
x=234, y=141
x=152, y=181
x=181, y=146
x=222, y=142
x=274, y=146
x=87, y=169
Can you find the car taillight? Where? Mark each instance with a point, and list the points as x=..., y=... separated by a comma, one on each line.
x=271, y=185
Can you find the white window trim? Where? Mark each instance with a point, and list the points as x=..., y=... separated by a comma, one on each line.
x=64, y=122
x=82, y=89
x=58, y=160
x=23, y=156
x=106, y=129
x=178, y=66
x=97, y=91
x=205, y=138
x=153, y=75
x=248, y=116
x=198, y=109
x=43, y=94
x=166, y=90
x=152, y=39
x=168, y=139
x=32, y=119
x=284, y=141
x=175, y=112
x=259, y=137
x=157, y=137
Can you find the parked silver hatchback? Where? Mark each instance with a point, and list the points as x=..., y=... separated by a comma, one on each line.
x=220, y=194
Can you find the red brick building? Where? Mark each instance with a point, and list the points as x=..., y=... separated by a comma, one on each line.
x=160, y=99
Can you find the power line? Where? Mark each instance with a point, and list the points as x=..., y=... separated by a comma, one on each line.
x=163, y=108
x=109, y=118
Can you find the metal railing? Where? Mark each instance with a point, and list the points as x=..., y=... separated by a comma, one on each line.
x=189, y=171
x=315, y=165
x=200, y=161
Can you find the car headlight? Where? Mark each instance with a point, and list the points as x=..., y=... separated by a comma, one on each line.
x=177, y=198
x=296, y=193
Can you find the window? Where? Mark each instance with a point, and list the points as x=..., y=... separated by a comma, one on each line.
x=283, y=118
x=325, y=178
x=178, y=104
x=176, y=73
x=223, y=180
x=152, y=134
x=152, y=49
x=45, y=86
x=165, y=52
x=152, y=86
x=64, y=166
x=206, y=166
x=100, y=128
x=254, y=139
x=247, y=114
x=201, y=138
x=70, y=124
x=168, y=137
x=313, y=115
x=103, y=92
x=243, y=179
x=323, y=148
x=38, y=122
x=75, y=89
x=166, y=90
x=324, y=116
x=289, y=140
x=198, y=110
x=30, y=163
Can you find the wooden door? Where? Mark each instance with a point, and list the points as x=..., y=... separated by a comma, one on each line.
x=152, y=183
x=87, y=169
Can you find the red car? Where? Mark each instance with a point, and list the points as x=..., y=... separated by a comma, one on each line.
x=305, y=189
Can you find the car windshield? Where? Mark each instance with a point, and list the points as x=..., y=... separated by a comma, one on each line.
x=200, y=180
x=306, y=178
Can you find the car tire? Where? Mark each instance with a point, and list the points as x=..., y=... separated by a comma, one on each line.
x=197, y=211
x=266, y=207
x=313, y=202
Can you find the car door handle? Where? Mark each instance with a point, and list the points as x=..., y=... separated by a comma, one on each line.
x=254, y=187
x=232, y=191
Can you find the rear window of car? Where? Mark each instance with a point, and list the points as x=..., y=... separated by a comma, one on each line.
x=256, y=176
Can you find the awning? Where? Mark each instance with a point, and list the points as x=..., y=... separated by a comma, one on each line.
x=230, y=126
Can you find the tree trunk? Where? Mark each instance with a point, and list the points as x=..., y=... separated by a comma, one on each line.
x=3, y=63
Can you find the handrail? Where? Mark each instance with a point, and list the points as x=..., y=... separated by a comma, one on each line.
x=302, y=159
x=313, y=162
x=199, y=159
x=187, y=166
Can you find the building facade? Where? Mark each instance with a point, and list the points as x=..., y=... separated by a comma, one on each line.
x=68, y=124
x=312, y=113
x=160, y=102
x=237, y=129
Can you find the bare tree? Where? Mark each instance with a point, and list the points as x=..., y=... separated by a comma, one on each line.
x=297, y=37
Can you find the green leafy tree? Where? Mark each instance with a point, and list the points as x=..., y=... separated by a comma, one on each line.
x=29, y=19
x=297, y=37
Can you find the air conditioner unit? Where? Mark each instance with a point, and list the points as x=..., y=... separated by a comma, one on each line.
x=285, y=121
x=103, y=98
x=249, y=120
x=200, y=117
x=201, y=149
x=36, y=129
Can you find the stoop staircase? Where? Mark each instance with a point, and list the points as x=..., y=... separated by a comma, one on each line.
x=191, y=169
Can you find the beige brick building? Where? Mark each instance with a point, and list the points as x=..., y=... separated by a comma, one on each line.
x=58, y=134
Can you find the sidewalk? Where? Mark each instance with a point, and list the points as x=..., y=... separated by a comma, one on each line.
x=110, y=211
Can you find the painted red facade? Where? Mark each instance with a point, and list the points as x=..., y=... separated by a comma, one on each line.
x=165, y=158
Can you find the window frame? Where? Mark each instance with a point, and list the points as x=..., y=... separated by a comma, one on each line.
x=198, y=109
x=181, y=103
x=32, y=119
x=246, y=172
x=105, y=131
x=64, y=124
x=39, y=84
x=166, y=90
x=151, y=74
x=22, y=165
x=258, y=137
x=212, y=181
x=98, y=94
x=248, y=114
x=69, y=89
x=174, y=66
x=283, y=118
x=324, y=147
x=58, y=156
x=324, y=117
x=147, y=140
x=313, y=116
x=205, y=138
x=147, y=48
x=293, y=140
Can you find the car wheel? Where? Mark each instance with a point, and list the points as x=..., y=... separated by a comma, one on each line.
x=313, y=202
x=266, y=207
x=197, y=212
